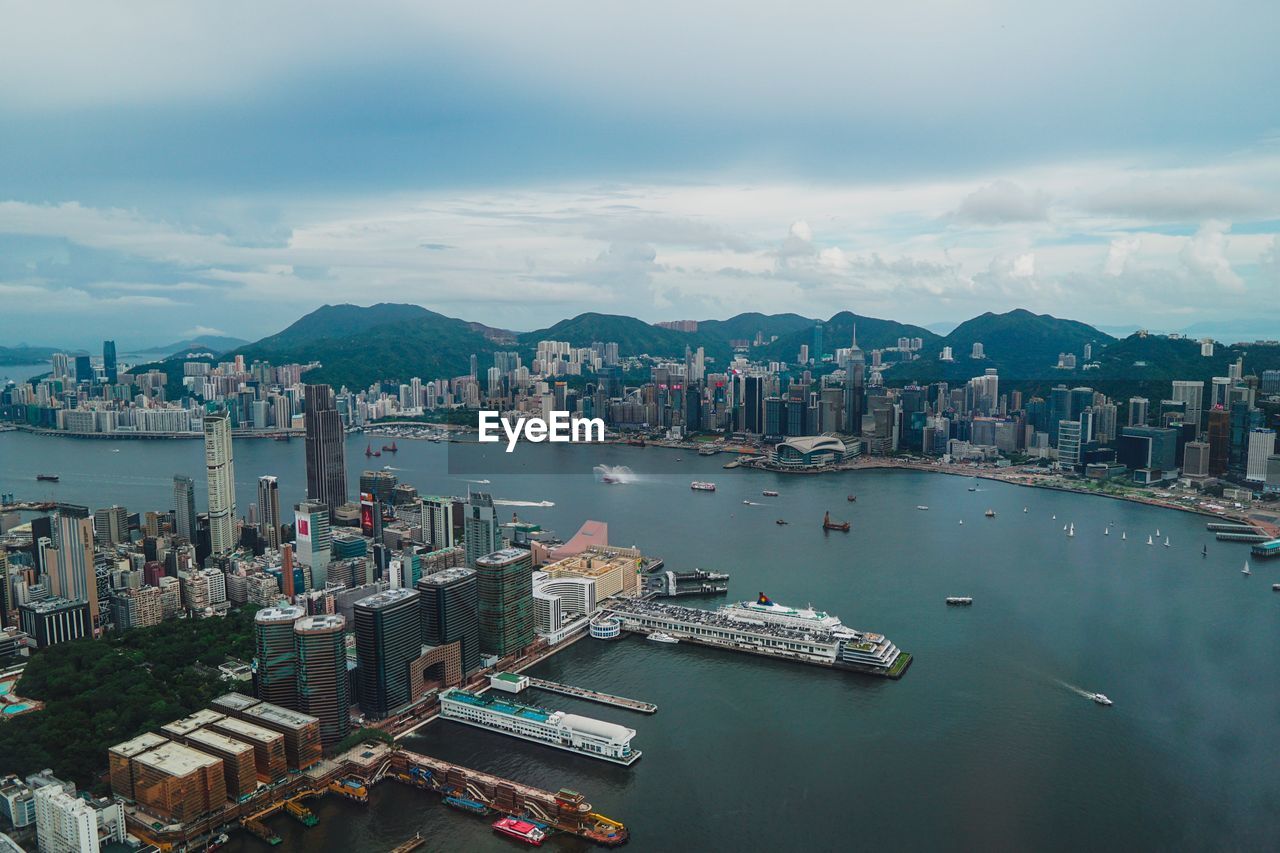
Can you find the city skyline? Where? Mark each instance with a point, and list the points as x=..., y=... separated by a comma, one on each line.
x=487, y=165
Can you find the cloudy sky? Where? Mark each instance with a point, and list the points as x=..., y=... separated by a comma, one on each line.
x=173, y=167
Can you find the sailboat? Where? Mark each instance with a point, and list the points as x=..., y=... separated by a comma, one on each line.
x=1150, y=541
x=1064, y=527
x=1157, y=531
x=1245, y=570
x=1072, y=531
x=1124, y=535
x=1024, y=509
x=1204, y=551
x=1055, y=517
x=1166, y=541
x=1106, y=531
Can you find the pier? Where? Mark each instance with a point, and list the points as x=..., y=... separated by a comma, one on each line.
x=695, y=582
x=594, y=696
x=1242, y=536
x=1231, y=527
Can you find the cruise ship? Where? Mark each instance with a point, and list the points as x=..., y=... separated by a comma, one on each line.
x=570, y=732
x=805, y=636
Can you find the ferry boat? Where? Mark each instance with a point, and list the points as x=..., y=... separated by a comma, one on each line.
x=47, y=478
x=1101, y=699
x=707, y=451
x=959, y=600
x=659, y=637
x=701, y=486
x=570, y=732
x=769, y=493
x=523, y=830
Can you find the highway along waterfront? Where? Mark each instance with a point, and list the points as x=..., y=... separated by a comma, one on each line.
x=990, y=740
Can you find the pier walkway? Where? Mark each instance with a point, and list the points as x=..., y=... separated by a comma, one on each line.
x=594, y=696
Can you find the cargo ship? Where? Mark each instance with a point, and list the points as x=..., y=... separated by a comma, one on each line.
x=523, y=830
x=700, y=486
x=570, y=732
x=762, y=627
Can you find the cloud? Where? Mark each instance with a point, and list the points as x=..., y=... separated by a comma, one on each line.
x=1206, y=256
x=202, y=331
x=1003, y=202
x=1118, y=254
x=1182, y=199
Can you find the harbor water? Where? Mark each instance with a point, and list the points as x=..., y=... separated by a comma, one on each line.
x=988, y=742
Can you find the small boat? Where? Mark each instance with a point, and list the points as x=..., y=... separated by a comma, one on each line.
x=1157, y=531
x=1055, y=517
x=748, y=503
x=973, y=488
x=769, y=493
x=959, y=601
x=1245, y=570
x=47, y=478
x=782, y=521
x=659, y=637
x=466, y=804
x=1150, y=541
x=700, y=486
x=1124, y=535
x=1166, y=541
x=851, y=498
x=921, y=506
x=828, y=524
x=1275, y=587
x=962, y=521
x=1106, y=532
x=1064, y=528
x=391, y=448
x=368, y=451
x=1072, y=530
x=521, y=830
x=1024, y=509
x=1204, y=551
x=1101, y=699
x=991, y=513
x=217, y=842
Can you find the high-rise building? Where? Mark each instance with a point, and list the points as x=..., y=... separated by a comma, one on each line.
x=1069, y=434
x=504, y=583
x=275, y=654
x=70, y=569
x=449, y=607
x=437, y=522
x=109, y=366
x=481, y=531
x=111, y=525
x=1195, y=462
x=55, y=620
x=64, y=822
x=1139, y=409
x=1218, y=433
x=854, y=403
x=1262, y=444
x=184, y=499
x=269, y=507
x=388, y=638
x=380, y=484
x=323, y=689
x=314, y=539
x=326, y=451
x=220, y=468
x=1192, y=394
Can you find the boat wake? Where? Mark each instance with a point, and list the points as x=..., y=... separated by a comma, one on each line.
x=752, y=503
x=523, y=503
x=1079, y=691
x=480, y=482
x=615, y=474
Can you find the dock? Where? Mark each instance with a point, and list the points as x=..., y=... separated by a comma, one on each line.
x=696, y=582
x=593, y=696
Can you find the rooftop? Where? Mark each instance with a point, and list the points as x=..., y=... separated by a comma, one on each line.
x=198, y=720
x=502, y=557
x=249, y=731
x=322, y=622
x=217, y=740
x=387, y=598
x=235, y=701
x=446, y=577
x=176, y=759
x=269, y=713
x=281, y=613
x=52, y=604
x=140, y=744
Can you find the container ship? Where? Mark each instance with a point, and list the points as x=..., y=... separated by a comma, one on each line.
x=570, y=732
x=765, y=628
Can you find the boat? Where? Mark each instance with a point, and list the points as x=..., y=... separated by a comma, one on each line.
x=1101, y=699
x=1245, y=570
x=828, y=524
x=959, y=601
x=700, y=486
x=1157, y=531
x=522, y=830
x=47, y=478
x=1055, y=517
x=1166, y=541
x=851, y=498
x=921, y=506
x=1106, y=531
x=1150, y=541
x=748, y=503
x=1275, y=587
x=1024, y=509
x=635, y=442
x=610, y=478
x=769, y=493
x=962, y=521
x=391, y=448
x=1072, y=530
x=368, y=451
x=217, y=842
x=466, y=804
x=708, y=451
x=1064, y=528
x=991, y=513
x=1124, y=535
x=1204, y=551
x=782, y=521
x=973, y=488
x=659, y=637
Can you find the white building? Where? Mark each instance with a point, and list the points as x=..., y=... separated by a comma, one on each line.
x=220, y=467
x=1262, y=443
x=65, y=823
x=313, y=539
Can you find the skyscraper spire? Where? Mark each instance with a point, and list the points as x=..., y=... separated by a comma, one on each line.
x=854, y=343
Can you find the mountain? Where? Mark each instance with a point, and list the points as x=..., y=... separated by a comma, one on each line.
x=1036, y=338
x=633, y=336
x=837, y=332
x=208, y=343
x=23, y=354
x=745, y=326
x=342, y=321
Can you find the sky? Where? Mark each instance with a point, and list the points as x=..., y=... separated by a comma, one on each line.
x=176, y=169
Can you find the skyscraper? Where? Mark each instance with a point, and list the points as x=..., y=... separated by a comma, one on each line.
x=269, y=506
x=1262, y=444
x=323, y=690
x=69, y=565
x=1191, y=393
x=111, y=525
x=326, y=453
x=275, y=655
x=448, y=606
x=1219, y=434
x=184, y=502
x=504, y=583
x=314, y=539
x=220, y=467
x=388, y=638
x=109, y=366
x=1139, y=409
x=437, y=521
x=855, y=371
x=481, y=532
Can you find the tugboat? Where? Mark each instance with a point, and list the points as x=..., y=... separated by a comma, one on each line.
x=47, y=478
x=217, y=842
x=521, y=830
x=828, y=524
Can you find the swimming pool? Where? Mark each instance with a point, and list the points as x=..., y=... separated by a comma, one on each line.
x=17, y=708
x=6, y=687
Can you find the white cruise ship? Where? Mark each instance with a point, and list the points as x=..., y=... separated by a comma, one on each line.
x=770, y=612
x=570, y=732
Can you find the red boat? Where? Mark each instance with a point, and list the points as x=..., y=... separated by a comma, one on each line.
x=391, y=448
x=520, y=829
x=368, y=451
